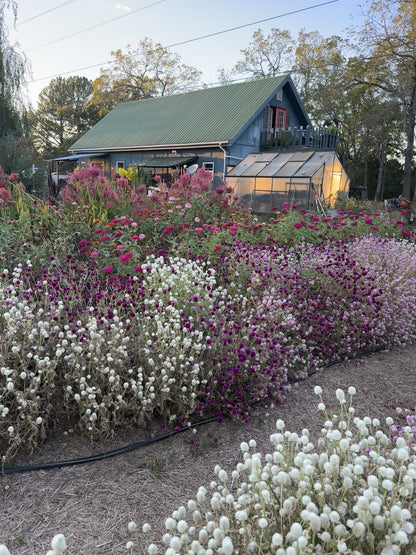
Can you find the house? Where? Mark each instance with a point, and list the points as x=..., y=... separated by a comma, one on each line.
x=216, y=127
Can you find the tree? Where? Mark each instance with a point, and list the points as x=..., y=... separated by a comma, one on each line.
x=387, y=44
x=13, y=66
x=318, y=72
x=64, y=113
x=147, y=71
x=267, y=55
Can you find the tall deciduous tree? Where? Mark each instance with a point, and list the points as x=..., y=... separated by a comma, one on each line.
x=144, y=72
x=13, y=66
x=388, y=42
x=64, y=112
x=267, y=56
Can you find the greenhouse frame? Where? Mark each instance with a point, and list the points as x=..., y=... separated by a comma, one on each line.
x=309, y=179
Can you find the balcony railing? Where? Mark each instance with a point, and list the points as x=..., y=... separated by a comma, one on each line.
x=296, y=138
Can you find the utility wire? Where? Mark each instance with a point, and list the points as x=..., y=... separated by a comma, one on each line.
x=97, y=25
x=178, y=43
x=253, y=23
x=64, y=4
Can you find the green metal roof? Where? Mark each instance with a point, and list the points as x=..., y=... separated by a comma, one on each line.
x=169, y=161
x=210, y=115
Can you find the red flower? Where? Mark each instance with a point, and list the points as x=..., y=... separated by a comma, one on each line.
x=298, y=225
x=108, y=270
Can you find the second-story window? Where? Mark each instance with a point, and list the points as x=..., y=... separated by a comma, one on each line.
x=281, y=118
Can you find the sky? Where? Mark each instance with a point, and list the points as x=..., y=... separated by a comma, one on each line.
x=76, y=37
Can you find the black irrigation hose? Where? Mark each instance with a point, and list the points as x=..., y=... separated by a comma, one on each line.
x=138, y=445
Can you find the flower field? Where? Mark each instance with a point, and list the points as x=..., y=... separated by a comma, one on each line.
x=119, y=307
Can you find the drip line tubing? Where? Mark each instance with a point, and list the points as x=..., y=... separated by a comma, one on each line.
x=138, y=445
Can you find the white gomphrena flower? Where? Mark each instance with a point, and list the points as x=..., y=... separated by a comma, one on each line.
x=58, y=543
x=389, y=421
x=4, y=550
x=170, y=524
x=129, y=545
x=224, y=523
x=222, y=475
x=227, y=546
x=175, y=543
x=317, y=390
x=252, y=443
x=263, y=522
x=132, y=526
x=372, y=481
x=241, y=515
x=378, y=522
x=280, y=425
x=244, y=447
x=401, y=537
x=358, y=529
x=321, y=406
x=152, y=549
x=402, y=453
x=296, y=530
x=182, y=526
x=352, y=390
x=387, y=485
x=277, y=539
x=325, y=536
x=146, y=528
x=395, y=513
x=340, y=395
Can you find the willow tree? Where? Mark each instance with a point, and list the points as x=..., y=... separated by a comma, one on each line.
x=13, y=67
x=387, y=44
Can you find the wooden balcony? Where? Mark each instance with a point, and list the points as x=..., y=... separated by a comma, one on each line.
x=295, y=138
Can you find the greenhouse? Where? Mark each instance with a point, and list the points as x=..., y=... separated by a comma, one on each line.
x=312, y=180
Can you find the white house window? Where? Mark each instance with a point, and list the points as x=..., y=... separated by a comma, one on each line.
x=209, y=166
x=119, y=165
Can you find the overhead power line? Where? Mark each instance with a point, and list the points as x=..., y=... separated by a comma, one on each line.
x=62, y=5
x=253, y=23
x=189, y=40
x=95, y=26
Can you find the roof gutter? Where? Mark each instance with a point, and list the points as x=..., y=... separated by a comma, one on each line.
x=107, y=150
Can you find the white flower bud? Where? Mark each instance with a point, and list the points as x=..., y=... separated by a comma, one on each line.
x=58, y=542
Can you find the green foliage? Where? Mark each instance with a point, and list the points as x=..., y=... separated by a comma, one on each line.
x=147, y=71
x=64, y=113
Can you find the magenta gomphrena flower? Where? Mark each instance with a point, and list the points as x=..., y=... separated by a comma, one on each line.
x=108, y=270
x=168, y=230
x=94, y=254
x=119, y=247
x=125, y=257
x=298, y=225
x=198, y=229
x=368, y=221
x=105, y=238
